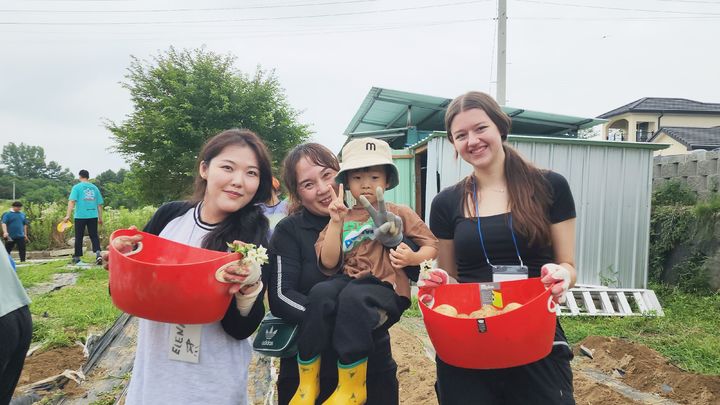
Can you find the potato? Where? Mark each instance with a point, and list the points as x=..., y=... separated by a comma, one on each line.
x=484, y=312
x=446, y=309
x=511, y=307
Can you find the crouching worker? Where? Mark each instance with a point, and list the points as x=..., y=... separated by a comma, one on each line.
x=362, y=249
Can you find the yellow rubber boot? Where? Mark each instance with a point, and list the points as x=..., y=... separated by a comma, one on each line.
x=351, y=387
x=309, y=387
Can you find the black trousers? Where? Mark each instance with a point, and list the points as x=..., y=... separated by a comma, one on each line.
x=382, y=388
x=20, y=242
x=16, y=328
x=546, y=381
x=344, y=311
x=92, y=228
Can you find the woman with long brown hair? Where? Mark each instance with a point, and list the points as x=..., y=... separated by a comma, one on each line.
x=506, y=220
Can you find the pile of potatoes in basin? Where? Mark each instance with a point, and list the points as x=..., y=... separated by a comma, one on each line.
x=485, y=311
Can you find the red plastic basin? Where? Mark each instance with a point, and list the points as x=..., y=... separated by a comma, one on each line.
x=166, y=281
x=511, y=339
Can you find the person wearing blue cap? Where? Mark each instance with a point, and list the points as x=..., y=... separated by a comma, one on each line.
x=15, y=229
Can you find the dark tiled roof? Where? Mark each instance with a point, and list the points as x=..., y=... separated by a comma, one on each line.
x=659, y=104
x=693, y=138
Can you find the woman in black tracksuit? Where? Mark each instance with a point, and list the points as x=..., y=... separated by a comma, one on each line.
x=309, y=170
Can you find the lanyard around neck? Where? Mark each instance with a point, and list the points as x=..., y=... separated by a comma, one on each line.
x=482, y=241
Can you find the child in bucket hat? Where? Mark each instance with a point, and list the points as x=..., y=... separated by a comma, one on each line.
x=361, y=250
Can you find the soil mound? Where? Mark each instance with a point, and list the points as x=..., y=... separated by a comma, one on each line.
x=646, y=370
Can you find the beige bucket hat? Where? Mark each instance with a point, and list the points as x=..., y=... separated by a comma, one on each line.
x=366, y=152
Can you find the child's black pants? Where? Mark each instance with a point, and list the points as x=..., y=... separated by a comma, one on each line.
x=344, y=311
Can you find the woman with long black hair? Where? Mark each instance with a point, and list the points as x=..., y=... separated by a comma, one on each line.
x=234, y=174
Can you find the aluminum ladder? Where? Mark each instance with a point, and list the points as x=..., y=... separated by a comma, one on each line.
x=591, y=300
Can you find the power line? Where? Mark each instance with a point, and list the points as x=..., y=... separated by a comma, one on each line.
x=552, y=3
x=175, y=10
x=674, y=18
x=79, y=1
x=249, y=19
x=717, y=3
x=272, y=34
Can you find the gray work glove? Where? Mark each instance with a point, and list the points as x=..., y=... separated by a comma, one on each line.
x=388, y=227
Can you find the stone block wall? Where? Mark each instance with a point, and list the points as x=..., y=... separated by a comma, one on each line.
x=700, y=170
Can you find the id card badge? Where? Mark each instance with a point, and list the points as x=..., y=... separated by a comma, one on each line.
x=509, y=273
x=184, y=344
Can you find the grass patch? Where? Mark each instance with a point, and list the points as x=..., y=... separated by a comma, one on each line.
x=64, y=316
x=110, y=397
x=414, y=310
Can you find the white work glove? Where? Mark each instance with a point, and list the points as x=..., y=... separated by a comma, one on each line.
x=428, y=281
x=388, y=227
x=240, y=274
x=245, y=302
x=557, y=279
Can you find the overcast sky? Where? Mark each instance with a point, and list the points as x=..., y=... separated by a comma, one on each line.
x=61, y=61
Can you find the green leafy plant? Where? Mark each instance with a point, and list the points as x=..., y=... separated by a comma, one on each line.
x=609, y=277
x=669, y=227
x=673, y=193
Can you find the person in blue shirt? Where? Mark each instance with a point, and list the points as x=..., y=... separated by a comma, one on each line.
x=86, y=203
x=14, y=227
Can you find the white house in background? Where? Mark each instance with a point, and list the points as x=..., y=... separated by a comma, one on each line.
x=684, y=124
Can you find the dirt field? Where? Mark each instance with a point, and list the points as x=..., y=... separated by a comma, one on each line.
x=620, y=372
x=644, y=370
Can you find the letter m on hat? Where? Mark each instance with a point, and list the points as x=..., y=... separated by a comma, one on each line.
x=370, y=146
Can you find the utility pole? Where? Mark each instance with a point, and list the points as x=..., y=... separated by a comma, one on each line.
x=501, y=53
x=13, y=190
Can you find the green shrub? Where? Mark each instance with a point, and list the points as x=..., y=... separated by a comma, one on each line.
x=43, y=220
x=114, y=219
x=670, y=226
x=673, y=193
x=45, y=217
x=692, y=274
x=691, y=231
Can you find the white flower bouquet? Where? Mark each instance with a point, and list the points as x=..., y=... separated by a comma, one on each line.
x=253, y=259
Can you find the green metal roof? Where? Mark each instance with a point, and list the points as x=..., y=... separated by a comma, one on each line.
x=555, y=140
x=385, y=109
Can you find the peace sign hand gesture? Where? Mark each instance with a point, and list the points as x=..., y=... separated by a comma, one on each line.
x=388, y=227
x=337, y=207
